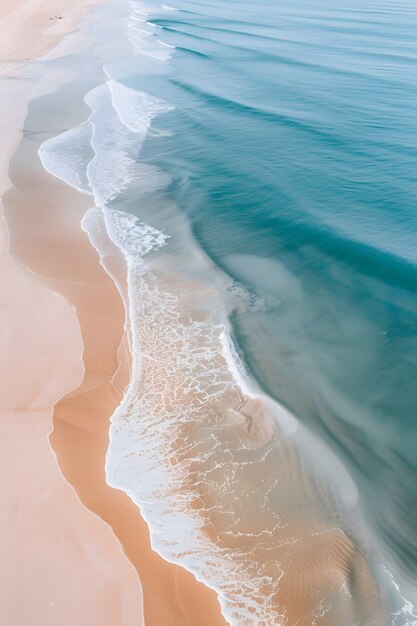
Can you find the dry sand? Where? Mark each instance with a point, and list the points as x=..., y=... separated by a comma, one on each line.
x=64, y=564
x=55, y=248
x=29, y=27
x=61, y=564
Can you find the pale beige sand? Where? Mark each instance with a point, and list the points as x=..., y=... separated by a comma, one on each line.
x=60, y=563
x=29, y=27
x=66, y=566
x=318, y=564
x=54, y=247
x=261, y=505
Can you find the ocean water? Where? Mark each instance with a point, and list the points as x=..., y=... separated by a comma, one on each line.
x=255, y=164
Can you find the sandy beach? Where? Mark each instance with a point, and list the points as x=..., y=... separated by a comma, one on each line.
x=86, y=328
x=66, y=549
x=61, y=559
x=30, y=27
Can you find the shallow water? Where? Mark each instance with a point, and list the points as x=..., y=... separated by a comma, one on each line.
x=268, y=155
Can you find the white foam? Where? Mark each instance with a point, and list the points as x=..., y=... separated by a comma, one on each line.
x=146, y=44
x=93, y=224
x=134, y=238
x=67, y=155
x=113, y=164
x=167, y=45
x=99, y=156
x=145, y=428
x=185, y=375
x=406, y=615
x=184, y=367
x=136, y=109
x=235, y=363
x=150, y=51
x=118, y=112
x=144, y=432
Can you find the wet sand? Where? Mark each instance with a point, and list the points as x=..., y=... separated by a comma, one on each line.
x=61, y=564
x=55, y=248
x=88, y=317
x=258, y=516
x=65, y=565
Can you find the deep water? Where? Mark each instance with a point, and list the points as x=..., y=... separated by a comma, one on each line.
x=293, y=152
x=283, y=136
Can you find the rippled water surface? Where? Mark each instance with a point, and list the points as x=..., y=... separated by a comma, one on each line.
x=294, y=155
x=268, y=151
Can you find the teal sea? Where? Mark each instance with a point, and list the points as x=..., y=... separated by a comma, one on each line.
x=294, y=155
x=282, y=137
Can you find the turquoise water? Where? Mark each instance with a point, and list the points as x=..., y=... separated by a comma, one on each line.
x=294, y=154
x=275, y=142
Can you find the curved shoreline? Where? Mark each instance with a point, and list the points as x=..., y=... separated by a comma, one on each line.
x=44, y=216
x=55, y=249
x=63, y=563
x=197, y=458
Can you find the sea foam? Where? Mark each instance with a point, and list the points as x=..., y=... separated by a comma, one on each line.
x=67, y=155
x=224, y=491
x=143, y=39
x=136, y=109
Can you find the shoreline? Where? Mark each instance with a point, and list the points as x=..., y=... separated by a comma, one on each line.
x=171, y=594
x=44, y=216
x=62, y=561
x=184, y=446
